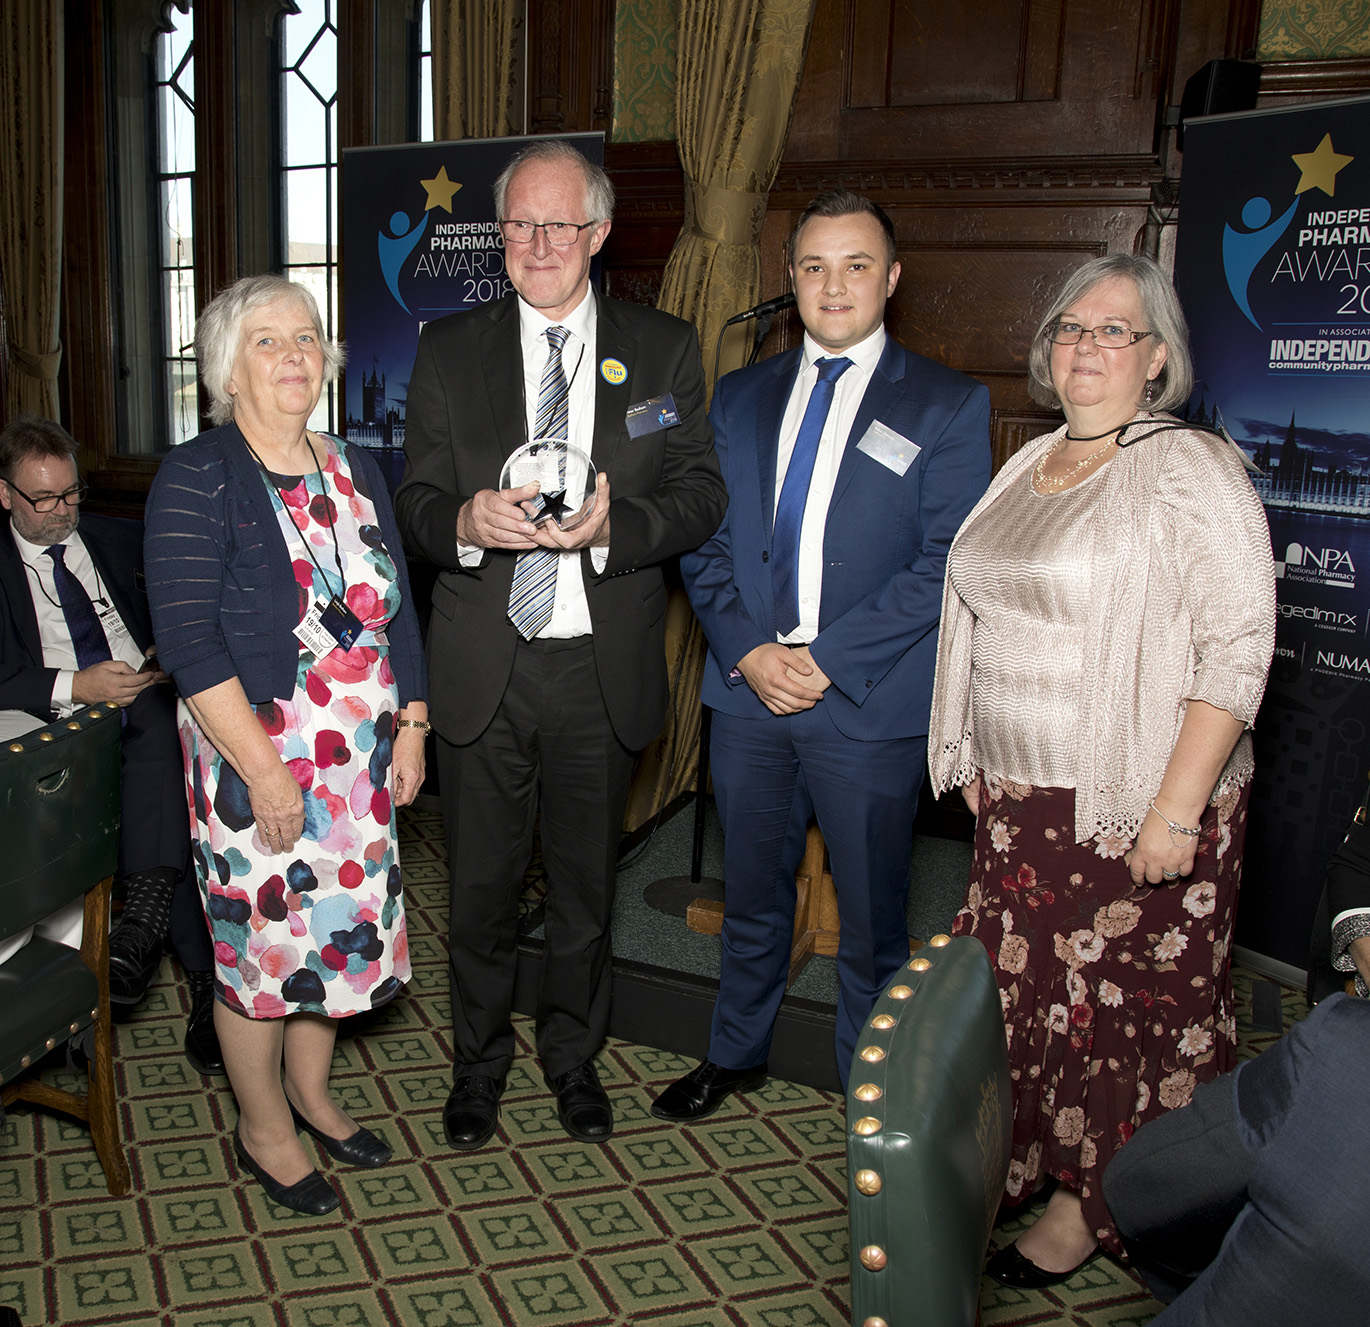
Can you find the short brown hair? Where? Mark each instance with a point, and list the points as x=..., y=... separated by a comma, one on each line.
x=844, y=203
x=31, y=435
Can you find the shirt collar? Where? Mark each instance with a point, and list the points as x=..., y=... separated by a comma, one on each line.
x=865, y=355
x=32, y=552
x=533, y=323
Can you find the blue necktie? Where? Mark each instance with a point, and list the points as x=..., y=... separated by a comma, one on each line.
x=533, y=594
x=87, y=635
x=794, y=495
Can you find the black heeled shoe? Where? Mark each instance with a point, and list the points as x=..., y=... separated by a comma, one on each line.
x=313, y=1195
x=1011, y=1268
x=362, y=1148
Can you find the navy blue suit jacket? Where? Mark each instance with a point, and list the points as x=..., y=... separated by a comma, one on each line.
x=116, y=549
x=884, y=546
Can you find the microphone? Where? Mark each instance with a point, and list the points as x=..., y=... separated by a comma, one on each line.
x=765, y=309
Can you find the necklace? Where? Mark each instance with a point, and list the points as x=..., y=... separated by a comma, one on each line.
x=1056, y=483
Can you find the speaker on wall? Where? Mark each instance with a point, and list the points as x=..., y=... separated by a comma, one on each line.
x=1220, y=86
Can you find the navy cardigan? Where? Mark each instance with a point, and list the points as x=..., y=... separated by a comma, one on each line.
x=220, y=582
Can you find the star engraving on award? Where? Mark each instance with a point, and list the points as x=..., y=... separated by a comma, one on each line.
x=554, y=508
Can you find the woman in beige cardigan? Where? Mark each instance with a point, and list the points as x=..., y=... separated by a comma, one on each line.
x=1107, y=626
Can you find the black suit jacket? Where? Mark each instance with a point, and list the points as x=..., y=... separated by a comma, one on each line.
x=466, y=415
x=116, y=549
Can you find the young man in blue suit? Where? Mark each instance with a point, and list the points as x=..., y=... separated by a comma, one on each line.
x=850, y=464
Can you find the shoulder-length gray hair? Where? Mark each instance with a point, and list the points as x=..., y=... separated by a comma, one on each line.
x=219, y=334
x=1164, y=320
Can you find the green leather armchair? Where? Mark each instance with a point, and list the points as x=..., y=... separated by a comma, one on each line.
x=59, y=824
x=928, y=1128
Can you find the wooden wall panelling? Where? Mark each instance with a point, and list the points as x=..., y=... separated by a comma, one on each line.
x=648, y=212
x=570, y=65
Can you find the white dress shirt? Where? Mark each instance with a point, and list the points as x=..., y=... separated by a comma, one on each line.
x=570, y=610
x=58, y=651
x=847, y=396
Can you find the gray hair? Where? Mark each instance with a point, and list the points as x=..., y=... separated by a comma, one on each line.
x=599, y=189
x=219, y=334
x=28, y=436
x=1160, y=307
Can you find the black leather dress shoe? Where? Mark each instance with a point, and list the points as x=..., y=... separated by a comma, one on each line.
x=1011, y=1268
x=703, y=1090
x=582, y=1104
x=472, y=1111
x=202, y=1041
x=362, y=1148
x=134, y=954
x=312, y=1195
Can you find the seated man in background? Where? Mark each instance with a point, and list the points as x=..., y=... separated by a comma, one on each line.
x=74, y=631
x=1246, y=1206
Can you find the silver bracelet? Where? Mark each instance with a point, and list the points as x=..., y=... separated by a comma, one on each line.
x=1174, y=828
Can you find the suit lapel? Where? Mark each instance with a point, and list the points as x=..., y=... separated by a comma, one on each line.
x=885, y=387
x=770, y=405
x=14, y=582
x=502, y=365
x=611, y=399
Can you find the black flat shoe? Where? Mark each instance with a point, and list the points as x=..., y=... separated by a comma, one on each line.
x=362, y=1148
x=471, y=1113
x=582, y=1104
x=1011, y=1268
x=202, y=1041
x=703, y=1090
x=313, y=1195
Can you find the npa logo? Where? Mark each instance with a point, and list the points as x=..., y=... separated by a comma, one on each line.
x=1318, y=566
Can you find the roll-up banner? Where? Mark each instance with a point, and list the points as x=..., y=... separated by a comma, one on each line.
x=419, y=241
x=1273, y=268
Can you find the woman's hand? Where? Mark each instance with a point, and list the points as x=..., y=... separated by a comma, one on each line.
x=407, y=765
x=277, y=807
x=971, y=792
x=1160, y=856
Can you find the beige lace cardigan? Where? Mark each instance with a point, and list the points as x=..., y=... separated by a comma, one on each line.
x=1182, y=607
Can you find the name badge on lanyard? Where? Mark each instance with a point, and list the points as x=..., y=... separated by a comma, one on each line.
x=328, y=625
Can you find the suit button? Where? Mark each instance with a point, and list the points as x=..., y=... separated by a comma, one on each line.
x=765, y=557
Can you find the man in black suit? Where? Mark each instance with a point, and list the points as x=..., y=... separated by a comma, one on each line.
x=547, y=715
x=75, y=630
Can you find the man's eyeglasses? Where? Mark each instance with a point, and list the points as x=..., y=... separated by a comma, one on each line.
x=1110, y=336
x=560, y=234
x=44, y=506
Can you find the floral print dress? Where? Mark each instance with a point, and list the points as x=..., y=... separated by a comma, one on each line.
x=1117, y=1001
x=320, y=929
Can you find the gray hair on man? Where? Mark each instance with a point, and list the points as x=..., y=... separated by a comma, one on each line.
x=219, y=334
x=1160, y=307
x=599, y=189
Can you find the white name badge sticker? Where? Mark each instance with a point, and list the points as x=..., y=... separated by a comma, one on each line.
x=115, y=630
x=893, y=450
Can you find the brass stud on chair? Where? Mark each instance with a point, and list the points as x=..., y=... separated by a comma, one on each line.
x=95, y=1013
x=900, y=992
x=45, y=736
x=50, y=1043
x=16, y=746
x=873, y=1054
x=873, y=1259
x=940, y=941
x=882, y=1022
x=74, y=725
x=869, y=1182
x=920, y=964
x=868, y=1092
x=75, y=1027
x=874, y=1322
x=26, y=1061
x=866, y=1126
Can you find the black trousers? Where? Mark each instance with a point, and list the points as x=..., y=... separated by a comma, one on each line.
x=550, y=747
x=154, y=828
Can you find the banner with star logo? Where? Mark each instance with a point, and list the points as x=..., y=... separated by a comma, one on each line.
x=1273, y=268
x=419, y=241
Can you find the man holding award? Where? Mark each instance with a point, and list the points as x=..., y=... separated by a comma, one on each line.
x=546, y=648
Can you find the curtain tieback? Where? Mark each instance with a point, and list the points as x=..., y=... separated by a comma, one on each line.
x=43, y=367
x=726, y=216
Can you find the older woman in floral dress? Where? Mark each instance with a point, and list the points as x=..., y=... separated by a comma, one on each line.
x=1107, y=627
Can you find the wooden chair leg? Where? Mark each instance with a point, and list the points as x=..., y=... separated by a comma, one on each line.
x=102, y=1100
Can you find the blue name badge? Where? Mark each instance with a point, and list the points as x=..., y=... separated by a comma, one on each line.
x=652, y=416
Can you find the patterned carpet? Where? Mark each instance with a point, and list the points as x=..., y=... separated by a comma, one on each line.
x=739, y=1221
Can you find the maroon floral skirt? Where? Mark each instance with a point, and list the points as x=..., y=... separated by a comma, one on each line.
x=1117, y=1001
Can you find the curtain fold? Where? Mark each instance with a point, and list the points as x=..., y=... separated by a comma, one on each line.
x=474, y=50
x=31, y=90
x=737, y=76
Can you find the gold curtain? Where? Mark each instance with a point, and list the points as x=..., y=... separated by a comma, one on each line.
x=737, y=76
x=31, y=64
x=474, y=45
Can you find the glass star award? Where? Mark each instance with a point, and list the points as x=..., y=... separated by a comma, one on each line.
x=566, y=479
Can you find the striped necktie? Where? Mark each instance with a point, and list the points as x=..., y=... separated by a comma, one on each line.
x=794, y=495
x=533, y=593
